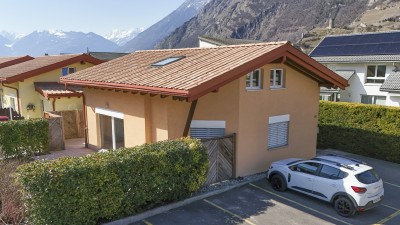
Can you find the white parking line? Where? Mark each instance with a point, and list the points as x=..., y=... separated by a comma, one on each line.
x=297, y=203
x=392, y=184
x=390, y=207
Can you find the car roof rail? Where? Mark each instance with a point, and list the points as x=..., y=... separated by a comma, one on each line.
x=349, y=158
x=334, y=163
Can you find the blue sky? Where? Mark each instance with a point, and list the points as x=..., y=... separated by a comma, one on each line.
x=99, y=16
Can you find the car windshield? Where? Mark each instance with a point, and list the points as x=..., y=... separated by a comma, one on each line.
x=368, y=177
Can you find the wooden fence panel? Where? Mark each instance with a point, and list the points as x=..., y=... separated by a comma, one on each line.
x=221, y=154
x=72, y=123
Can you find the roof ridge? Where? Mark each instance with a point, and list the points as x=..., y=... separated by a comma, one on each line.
x=360, y=34
x=63, y=55
x=225, y=46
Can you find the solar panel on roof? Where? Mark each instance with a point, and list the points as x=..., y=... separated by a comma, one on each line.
x=360, y=44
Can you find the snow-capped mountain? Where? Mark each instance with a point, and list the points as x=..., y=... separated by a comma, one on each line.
x=11, y=36
x=120, y=37
x=157, y=32
x=4, y=43
x=55, y=42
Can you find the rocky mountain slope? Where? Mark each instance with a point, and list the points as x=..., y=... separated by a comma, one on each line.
x=157, y=32
x=275, y=20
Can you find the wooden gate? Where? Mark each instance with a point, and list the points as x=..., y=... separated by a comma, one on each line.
x=72, y=123
x=56, y=134
x=221, y=154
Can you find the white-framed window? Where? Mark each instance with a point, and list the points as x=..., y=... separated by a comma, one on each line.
x=278, y=131
x=13, y=103
x=333, y=97
x=376, y=74
x=253, y=80
x=276, y=78
x=68, y=70
x=204, y=129
x=373, y=99
x=111, y=128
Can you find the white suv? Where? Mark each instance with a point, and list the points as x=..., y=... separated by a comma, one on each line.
x=349, y=184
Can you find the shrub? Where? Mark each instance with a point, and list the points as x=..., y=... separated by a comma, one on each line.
x=368, y=130
x=12, y=209
x=23, y=138
x=110, y=185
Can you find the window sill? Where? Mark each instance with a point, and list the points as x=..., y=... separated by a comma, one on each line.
x=277, y=88
x=253, y=89
x=372, y=84
x=277, y=148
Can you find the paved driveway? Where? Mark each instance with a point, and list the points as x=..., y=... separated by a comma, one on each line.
x=256, y=204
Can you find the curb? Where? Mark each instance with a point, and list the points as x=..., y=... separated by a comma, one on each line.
x=165, y=208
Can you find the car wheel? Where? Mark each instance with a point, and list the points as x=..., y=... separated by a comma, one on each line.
x=278, y=183
x=344, y=207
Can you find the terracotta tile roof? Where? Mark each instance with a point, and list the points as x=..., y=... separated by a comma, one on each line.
x=41, y=65
x=9, y=61
x=55, y=90
x=201, y=70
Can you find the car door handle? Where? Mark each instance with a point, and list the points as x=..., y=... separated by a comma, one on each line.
x=333, y=185
x=309, y=179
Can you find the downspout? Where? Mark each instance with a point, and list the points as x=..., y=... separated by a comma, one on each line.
x=54, y=104
x=84, y=121
x=17, y=91
x=189, y=118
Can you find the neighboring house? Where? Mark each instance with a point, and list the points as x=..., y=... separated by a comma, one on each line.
x=9, y=61
x=266, y=93
x=206, y=41
x=370, y=62
x=106, y=56
x=31, y=87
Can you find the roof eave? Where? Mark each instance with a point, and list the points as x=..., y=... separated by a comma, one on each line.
x=16, y=61
x=237, y=72
x=127, y=87
x=317, y=68
x=330, y=78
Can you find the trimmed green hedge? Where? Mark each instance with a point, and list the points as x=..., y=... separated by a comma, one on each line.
x=368, y=130
x=24, y=138
x=111, y=185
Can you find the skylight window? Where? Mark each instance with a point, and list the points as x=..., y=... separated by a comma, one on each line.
x=168, y=61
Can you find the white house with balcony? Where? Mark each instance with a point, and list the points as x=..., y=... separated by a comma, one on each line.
x=369, y=61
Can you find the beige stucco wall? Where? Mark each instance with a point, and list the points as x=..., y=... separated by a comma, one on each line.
x=28, y=95
x=299, y=99
x=150, y=119
x=132, y=106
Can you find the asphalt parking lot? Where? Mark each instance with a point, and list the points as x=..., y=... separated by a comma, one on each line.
x=257, y=203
